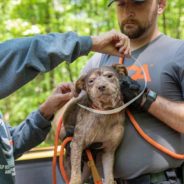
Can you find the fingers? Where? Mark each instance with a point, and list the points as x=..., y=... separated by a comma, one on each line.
x=65, y=97
x=112, y=43
x=65, y=88
x=65, y=91
x=123, y=44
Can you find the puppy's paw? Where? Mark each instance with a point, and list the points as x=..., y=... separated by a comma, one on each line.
x=110, y=181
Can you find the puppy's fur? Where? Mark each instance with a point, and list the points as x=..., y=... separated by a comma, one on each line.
x=102, y=91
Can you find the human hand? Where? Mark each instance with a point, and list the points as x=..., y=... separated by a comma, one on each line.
x=112, y=43
x=62, y=94
x=130, y=89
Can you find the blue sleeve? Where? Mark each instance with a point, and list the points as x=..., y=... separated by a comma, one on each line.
x=31, y=132
x=23, y=59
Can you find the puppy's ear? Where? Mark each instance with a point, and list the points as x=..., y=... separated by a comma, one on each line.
x=79, y=85
x=120, y=69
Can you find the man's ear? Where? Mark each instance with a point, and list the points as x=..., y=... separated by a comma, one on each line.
x=161, y=6
x=79, y=85
x=120, y=69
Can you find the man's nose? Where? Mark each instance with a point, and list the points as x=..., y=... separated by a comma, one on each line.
x=129, y=9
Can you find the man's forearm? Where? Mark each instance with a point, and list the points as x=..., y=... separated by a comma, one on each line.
x=171, y=113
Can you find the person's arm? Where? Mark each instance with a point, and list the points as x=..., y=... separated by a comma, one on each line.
x=34, y=129
x=169, y=112
x=30, y=133
x=170, y=109
x=23, y=59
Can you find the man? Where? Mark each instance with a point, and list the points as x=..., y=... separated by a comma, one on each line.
x=23, y=59
x=160, y=112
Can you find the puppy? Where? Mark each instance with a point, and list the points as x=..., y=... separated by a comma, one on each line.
x=101, y=91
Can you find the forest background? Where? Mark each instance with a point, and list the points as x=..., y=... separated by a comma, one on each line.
x=20, y=18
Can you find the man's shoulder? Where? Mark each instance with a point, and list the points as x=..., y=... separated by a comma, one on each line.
x=176, y=44
x=165, y=45
x=167, y=39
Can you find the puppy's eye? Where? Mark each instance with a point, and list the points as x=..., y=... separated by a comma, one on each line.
x=109, y=76
x=91, y=81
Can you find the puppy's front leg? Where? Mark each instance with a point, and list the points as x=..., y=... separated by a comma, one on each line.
x=108, y=163
x=76, y=153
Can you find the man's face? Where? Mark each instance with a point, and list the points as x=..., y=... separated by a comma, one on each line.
x=136, y=18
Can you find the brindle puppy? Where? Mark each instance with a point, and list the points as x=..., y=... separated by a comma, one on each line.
x=102, y=92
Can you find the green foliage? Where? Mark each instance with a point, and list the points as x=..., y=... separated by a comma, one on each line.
x=25, y=18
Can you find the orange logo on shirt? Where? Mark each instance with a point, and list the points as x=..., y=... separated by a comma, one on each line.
x=138, y=73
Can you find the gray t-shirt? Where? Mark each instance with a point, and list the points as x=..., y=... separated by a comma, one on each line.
x=163, y=62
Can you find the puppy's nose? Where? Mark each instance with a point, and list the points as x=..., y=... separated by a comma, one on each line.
x=101, y=88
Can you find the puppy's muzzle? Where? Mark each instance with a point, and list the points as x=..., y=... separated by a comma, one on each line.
x=101, y=88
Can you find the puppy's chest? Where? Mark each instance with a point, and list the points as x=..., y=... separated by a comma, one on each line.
x=98, y=128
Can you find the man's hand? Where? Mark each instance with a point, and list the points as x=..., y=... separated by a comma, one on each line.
x=131, y=88
x=112, y=43
x=62, y=94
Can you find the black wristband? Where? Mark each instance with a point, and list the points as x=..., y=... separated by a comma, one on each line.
x=150, y=98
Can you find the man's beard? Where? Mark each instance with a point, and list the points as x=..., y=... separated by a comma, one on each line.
x=139, y=30
x=135, y=32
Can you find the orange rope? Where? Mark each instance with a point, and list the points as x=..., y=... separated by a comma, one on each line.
x=96, y=176
x=151, y=141
x=61, y=163
x=54, y=161
x=121, y=60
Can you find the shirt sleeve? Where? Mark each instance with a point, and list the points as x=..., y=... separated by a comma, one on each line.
x=31, y=132
x=172, y=79
x=23, y=59
x=182, y=86
x=179, y=71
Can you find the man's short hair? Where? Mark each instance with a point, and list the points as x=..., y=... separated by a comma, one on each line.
x=111, y=1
